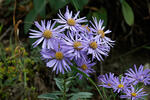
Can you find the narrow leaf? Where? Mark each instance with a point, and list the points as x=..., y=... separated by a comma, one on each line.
x=81, y=95
x=57, y=4
x=79, y=4
x=127, y=13
x=48, y=96
x=76, y=4
x=32, y=15
x=59, y=83
x=37, y=4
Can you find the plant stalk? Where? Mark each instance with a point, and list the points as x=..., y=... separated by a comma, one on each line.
x=64, y=92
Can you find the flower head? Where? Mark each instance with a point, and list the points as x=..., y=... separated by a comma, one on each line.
x=120, y=84
x=73, y=45
x=133, y=94
x=139, y=75
x=47, y=33
x=85, y=66
x=98, y=30
x=70, y=22
x=96, y=48
x=106, y=80
x=86, y=30
x=57, y=59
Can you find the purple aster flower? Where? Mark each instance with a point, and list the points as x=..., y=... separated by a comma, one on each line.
x=86, y=30
x=120, y=84
x=85, y=66
x=133, y=94
x=70, y=22
x=98, y=30
x=95, y=47
x=106, y=80
x=47, y=34
x=139, y=75
x=57, y=59
x=73, y=45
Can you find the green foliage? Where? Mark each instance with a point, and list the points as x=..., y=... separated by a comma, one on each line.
x=127, y=13
x=147, y=47
x=57, y=4
x=79, y=4
x=81, y=95
x=101, y=14
x=64, y=85
x=13, y=72
x=86, y=76
x=59, y=83
x=39, y=8
x=7, y=2
x=53, y=96
x=1, y=27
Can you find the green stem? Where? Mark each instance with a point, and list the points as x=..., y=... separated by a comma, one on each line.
x=64, y=93
x=24, y=73
x=25, y=79
x=104, y=92
x=114, y=96
x=75, y=68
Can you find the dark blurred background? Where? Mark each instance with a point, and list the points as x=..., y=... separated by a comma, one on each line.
x=129, y=21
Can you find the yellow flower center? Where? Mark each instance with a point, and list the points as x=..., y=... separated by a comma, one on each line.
x=93, y=45
x=47, y=34
x=133, y=94
x=59, y=55
x=109, y=84
x=88, y=29
x=76, y=45
x=84, y=67
x=71, y=22
x=120, y=86
x=101, y=32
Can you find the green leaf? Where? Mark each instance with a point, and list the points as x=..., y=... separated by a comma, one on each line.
x=37, y=4
x=33, y=14
x=147, y=47
x=82, y=3
x=80, y=95
x=79, y=4
x=7, y=2
x=59, y=83
x=48, y=96
x=121, y=1
x=29, y=19
x=57, y=4
x=101, y=14
x=75, y=4
x=127, y=13
x=85, y=75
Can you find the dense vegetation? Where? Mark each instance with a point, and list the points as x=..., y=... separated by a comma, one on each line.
x=24, y=75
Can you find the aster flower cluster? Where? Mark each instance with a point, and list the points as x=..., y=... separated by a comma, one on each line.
x=126, y=84
x=72, y=40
